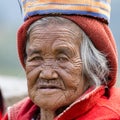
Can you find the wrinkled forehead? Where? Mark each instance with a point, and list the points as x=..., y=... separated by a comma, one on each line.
x=56, y=27
x=56, y=23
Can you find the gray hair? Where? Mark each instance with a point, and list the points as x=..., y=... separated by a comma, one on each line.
x=94, y=63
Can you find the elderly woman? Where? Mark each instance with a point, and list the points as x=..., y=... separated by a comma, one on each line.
x=71, y=66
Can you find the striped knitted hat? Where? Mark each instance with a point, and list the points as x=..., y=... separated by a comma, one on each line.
x=95, y=8
x=91, y=15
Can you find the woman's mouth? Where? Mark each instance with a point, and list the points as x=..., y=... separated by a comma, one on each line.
x=50, y=87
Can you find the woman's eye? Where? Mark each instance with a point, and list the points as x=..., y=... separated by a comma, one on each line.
x=36, y=58
x=62, y=58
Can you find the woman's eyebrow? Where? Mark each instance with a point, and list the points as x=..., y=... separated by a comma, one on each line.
x=64, y=50
x=34, y=51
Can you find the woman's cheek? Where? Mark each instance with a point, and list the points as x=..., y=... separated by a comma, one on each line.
x=30, y=66
x=32, y=75
x=71, y=74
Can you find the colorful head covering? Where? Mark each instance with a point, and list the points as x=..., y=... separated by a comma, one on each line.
x=93, y=24
x=95, y=8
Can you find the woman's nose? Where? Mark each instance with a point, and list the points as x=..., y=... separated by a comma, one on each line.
x=48, y=73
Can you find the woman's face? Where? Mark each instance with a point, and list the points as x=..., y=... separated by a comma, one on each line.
x=53, y=65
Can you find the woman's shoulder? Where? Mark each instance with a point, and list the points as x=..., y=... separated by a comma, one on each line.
x=14, y=110
x=19, y=104
x=112, y=103
x=107, y=108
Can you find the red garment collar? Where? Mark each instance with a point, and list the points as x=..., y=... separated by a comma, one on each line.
x=79, y=107
x=83, y=104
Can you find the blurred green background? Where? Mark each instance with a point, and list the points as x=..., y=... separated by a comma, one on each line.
x=11, y=19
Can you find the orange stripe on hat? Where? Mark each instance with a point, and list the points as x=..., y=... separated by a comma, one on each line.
x=95, y=8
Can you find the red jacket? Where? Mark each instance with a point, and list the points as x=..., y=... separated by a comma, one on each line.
x=93, y=105
x=0, y=115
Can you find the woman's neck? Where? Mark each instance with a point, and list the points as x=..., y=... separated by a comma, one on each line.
x=47, y=114
x=50, y=115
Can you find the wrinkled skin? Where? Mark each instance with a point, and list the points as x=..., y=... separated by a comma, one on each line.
x=53, y=65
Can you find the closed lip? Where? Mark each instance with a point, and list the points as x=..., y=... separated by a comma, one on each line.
x=47, y=86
